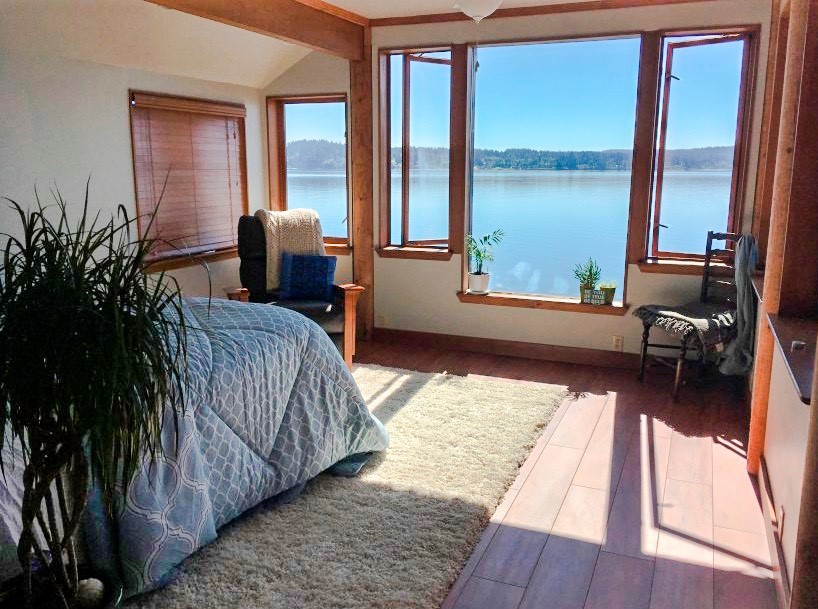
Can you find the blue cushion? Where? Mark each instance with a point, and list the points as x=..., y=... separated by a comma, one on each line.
x=307, y=276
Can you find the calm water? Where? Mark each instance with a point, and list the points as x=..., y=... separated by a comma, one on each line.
x=552, y=219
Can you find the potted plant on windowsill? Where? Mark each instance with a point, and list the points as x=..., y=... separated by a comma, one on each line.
x=588, y=275
x=608, y=288
x=481, y=251
x=92, y=359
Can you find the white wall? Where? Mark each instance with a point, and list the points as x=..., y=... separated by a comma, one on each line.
x=63, y=120
x=316, y=74
x=421, y=295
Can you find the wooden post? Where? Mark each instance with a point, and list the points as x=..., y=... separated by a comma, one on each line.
x=792, y=253
x=360, y=140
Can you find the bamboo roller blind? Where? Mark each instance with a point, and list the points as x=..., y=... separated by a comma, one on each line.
x=194, y=150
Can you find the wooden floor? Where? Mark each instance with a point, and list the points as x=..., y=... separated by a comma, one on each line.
x=628, y=500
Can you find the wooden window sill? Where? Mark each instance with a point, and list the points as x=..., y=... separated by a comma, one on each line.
x=683, y=267
x=178, y=262
x=415, y=253
x=525, y=301
x=337, y=249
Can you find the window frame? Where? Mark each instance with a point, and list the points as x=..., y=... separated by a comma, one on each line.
x=738, y=186
x=277, y=158
x=138, y=99
x=431, y=249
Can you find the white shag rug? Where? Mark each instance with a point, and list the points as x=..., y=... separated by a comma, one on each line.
x=398, y=535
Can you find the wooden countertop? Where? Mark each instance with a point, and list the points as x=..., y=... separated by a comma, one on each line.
x=800, y=362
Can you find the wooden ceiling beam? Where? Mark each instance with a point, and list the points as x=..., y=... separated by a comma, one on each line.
x=304, y=23
x=527, y=11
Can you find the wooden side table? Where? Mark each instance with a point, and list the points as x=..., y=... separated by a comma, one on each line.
x=239, y=294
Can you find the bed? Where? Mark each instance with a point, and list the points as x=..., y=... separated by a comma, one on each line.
x=271, y=405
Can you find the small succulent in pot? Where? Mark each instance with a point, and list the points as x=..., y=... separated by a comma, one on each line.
x=588, y=275
x=609, y=289
x=481, y=251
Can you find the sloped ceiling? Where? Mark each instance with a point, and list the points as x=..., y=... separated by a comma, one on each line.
x=376, y=9
x=136, y=34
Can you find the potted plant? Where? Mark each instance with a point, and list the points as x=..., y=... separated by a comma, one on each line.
x=588, y=275
x=608, y=288
x=480, y=252
x=92, y=352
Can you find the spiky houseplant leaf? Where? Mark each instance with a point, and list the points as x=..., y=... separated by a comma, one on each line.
x=92, y=352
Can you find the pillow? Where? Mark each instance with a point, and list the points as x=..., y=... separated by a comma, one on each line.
x=307, y=276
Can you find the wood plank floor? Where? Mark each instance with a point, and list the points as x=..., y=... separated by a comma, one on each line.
x=628, y=501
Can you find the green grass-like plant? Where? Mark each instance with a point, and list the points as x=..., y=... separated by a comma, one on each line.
x=92, y=352
x=588, y=274
x=481, y=250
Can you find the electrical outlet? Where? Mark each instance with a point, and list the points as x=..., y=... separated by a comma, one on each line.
x=618, y=343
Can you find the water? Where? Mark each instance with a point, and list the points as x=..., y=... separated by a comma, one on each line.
x=552, y=219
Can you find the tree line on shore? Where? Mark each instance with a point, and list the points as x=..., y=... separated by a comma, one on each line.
x=322, y=155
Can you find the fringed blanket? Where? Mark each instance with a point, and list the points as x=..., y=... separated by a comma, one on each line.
x=297, y=231
x=713, y=324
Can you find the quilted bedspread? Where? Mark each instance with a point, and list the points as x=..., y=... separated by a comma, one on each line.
x=270, y=405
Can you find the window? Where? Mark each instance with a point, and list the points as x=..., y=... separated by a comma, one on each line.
x=553, y=148
x=194, y=150
x=697, y=179
x=418, y=135
x=308, y=159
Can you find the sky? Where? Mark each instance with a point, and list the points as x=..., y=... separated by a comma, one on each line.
x=556, y=96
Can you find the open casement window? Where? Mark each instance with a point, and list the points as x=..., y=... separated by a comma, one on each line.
x=700, y=153
x=308, y=159
x=189, y=172
x=419, y=148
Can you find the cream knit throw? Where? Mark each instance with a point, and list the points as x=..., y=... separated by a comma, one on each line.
x=297, y=231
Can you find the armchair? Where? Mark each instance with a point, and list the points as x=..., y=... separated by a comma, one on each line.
x=336, y=318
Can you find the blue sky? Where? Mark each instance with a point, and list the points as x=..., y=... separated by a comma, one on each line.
x=315, y=121
x=557, y=96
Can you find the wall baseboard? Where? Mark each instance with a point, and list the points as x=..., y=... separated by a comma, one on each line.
x=511, y=348
x=771, y=524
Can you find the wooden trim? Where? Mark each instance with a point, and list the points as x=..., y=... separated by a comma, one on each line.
x=361, y=182
x=527, y=11
x=406, y=150
x=763, y=200
x=337, y=249
x=550, y=303
x=277, y=147
x=647, y=104
x=511, y=348
x=773, y=531
x=682, y=267
x=159, y=101
x=385, y=151
x=178, y=262
x=458, y=142
x=749, y=36
x=289, y=20
x=343, y=13
x=276, y=157
x=415, y=253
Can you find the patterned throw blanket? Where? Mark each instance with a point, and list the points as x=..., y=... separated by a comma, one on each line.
x=297, y=231
x=713, y=324
x=270, y=405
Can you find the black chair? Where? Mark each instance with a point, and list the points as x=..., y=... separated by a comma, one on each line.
x=716, y=307
x=336, y=318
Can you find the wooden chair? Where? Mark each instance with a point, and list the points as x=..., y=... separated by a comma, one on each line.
x=717, y=296
x=336, y=317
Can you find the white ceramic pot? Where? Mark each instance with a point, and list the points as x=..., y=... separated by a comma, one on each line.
x=479, y=284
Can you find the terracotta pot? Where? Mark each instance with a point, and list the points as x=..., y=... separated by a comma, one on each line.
x=479, y=283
